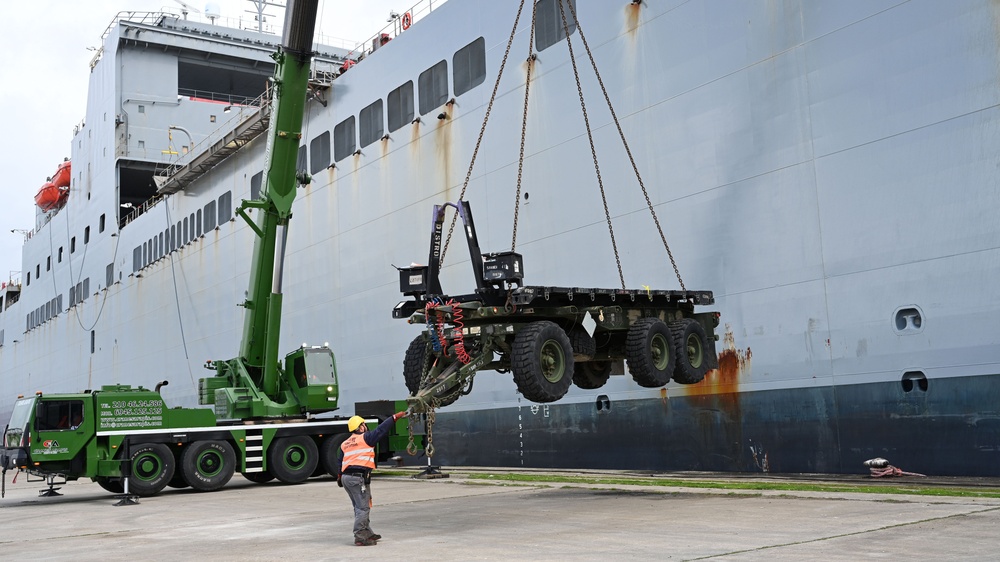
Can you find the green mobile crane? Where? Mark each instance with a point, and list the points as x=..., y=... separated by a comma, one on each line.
x=127, y=439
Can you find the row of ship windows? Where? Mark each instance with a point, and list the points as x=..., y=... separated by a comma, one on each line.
x=468, y=71
x=186, y=230
x=52, y=308
x=59, y=254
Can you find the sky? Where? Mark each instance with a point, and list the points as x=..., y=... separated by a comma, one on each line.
x=43, y=92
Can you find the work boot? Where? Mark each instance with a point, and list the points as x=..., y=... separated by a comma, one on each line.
x=365, y=542
x=375, y=537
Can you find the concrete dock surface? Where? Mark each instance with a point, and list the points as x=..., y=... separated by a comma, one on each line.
x=461, y=518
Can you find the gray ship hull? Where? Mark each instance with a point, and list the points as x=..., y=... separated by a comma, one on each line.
x=827, y=169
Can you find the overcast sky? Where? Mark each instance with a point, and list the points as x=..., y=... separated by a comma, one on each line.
x=44, y=87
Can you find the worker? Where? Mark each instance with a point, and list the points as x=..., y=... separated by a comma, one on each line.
x=357, y=460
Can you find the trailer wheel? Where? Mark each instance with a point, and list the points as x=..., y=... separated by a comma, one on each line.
x=113, y=485
x=592, y=374
x=292, y=459
x=152, y=468
x=583, y=344
x=259, y=477
x=650, y=352
x=542, y=361
x=329, y=452
x=413, y=363
x=208, y=465
x=690, y=342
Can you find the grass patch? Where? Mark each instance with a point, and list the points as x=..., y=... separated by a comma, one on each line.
x=779, y=486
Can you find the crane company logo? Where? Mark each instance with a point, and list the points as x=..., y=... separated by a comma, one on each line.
x=50, y=444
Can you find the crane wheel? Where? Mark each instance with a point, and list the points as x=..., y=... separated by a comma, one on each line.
x=208, y=465
x=292, y=459
x=542, y=361
x=152, y=468
x=591, y=374
x=649, y=351
x=690, y=343
x=329, y=452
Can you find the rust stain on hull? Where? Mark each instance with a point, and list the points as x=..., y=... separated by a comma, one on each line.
x=632, y=13
x=733, y=364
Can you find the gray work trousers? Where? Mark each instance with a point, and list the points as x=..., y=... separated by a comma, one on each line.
x=361, y=497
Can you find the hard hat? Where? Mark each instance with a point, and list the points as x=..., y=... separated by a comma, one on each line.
x=354, y=423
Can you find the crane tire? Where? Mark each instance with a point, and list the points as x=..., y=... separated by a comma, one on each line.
x=329, y=452
x=152, y=467
x=292, y=459
x=208, y=465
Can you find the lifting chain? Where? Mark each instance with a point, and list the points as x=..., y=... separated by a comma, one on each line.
x=524, y=130
x=621, y=134
x=482, y=130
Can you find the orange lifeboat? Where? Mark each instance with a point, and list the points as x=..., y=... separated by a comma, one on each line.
x=55, y=192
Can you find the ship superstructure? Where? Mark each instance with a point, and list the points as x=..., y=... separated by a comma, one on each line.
x=827, y=169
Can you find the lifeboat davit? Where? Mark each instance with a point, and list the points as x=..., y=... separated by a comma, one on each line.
x=55, y=192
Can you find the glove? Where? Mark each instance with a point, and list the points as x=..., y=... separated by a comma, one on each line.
x=398, y=415
x=339, y=483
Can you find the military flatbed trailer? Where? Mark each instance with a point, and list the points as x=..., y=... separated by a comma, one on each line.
x=548, y=337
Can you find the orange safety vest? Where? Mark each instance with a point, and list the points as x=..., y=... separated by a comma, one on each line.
x=358, y=453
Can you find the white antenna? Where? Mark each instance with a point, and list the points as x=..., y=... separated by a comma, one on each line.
x=186, y=8
x=259, y=16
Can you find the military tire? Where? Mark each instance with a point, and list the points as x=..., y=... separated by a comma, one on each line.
x=259, y=477
x=208, y=465
x=413, y=363
x=583, y=344
x=292, y=459
x=591, y=374
x=649, y=350
x=152, y=468
x=542, y=362
x=113, y=485
x=691, y=345
x=329, y=452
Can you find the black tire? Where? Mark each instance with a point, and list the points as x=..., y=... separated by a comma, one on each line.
x=542, y=362
x=649, y=350
x=152, y=468
x=259, y=477
x=591, y=374
x=413, y=363
x=113, y=485
x=329, y=452
x=208, y=465
x=292, y=459
x=583, y=344
x=691, y=350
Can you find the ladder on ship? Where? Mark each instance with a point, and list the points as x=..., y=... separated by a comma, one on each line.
x=182, y=173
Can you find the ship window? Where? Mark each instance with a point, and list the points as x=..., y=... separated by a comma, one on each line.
x=343, y=139
x=38, y=271
x=319, y=153
x=400, y=106
x=142, y=109
x=72, y=244
x=86, y=235
x=300, y=160
x=549, y=22
x=109, y=275
x=225, y=207
x=370, y=126
x=59, y=259
x=187, y=237
x=29, y=279
x=469, y=66
x=198, y=222
x=173, y=236
x=48, y=263
x=136, y=260
x=72, y=296
x=86, y=289
x=210, y=216
x=255, y=182
x=100, y=225
x=433, y=85
x=93, y=338
x=159, y=246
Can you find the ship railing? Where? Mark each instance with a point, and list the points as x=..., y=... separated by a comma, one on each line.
x=139, y=209
x=393, y=28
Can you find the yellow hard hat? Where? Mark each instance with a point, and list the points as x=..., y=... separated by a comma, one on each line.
x=354, y=423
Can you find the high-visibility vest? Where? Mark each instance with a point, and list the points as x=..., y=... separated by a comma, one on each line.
x=357, y=452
